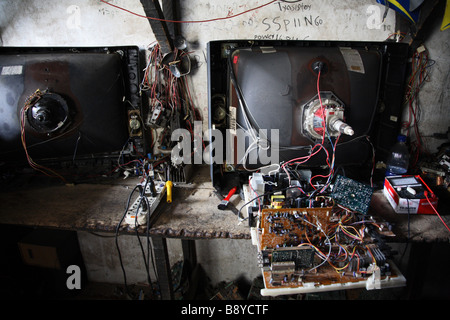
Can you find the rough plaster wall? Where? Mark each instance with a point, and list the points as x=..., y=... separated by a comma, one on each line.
x=435, y=94
x=305, y=20
x=102, y=262
x=227, y=259
x=72, y=23
x=221, y=259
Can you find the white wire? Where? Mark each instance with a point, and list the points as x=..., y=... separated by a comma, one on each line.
x=275, y=170
x=252, y=132
x=325, y=259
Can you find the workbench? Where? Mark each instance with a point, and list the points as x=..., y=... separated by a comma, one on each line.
x=99, y=207
x=192, y=215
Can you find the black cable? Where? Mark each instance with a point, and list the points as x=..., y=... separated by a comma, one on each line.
x=142, y=198
x=150, y=251
x=100, y=235
x=409, y=221
x=146, y=259
x=76, y=147
x=409, y=230
x=117, y=243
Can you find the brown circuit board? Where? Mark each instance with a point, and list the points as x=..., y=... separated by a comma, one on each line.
x=287, y=226
x=288, y=240
x=325, y=276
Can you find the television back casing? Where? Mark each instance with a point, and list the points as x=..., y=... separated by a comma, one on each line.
x=98, y=86
x=277, y=79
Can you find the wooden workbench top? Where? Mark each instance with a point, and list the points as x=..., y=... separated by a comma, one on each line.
x=193, y=213
x=99, y=207
x=412, y=227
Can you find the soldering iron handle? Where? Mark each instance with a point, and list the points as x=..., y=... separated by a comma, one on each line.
x=230, y=194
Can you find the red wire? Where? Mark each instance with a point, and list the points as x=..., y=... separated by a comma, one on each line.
x=323, y=136
x=193, y=21
x=331, y=169
x=437, y=213
x=321, y=106
x=301, y=158
x=324, y=130
x=417, y=77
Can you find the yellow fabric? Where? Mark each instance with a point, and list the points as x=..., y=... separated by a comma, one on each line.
x=446, y=20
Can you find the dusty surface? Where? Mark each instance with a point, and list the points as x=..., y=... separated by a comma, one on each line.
x=192, y=214
x=99, y=207
x=415, y=227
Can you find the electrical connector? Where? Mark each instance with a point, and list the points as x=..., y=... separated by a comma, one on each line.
x=421, y=49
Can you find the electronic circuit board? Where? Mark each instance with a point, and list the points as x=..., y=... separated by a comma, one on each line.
x=286, y=227
x=312, y=249
x=328, y=280
x=351, y=194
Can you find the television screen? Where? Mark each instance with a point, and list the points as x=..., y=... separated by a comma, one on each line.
x=66, y=103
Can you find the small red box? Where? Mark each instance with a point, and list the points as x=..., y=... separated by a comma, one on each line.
x=408, y=194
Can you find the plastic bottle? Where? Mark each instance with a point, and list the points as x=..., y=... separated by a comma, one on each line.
x=398, y=161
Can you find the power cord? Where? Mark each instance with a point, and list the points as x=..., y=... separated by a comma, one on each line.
x=143, y=202
x=117, y=242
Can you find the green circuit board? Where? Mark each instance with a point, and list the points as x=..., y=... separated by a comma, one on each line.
x=351, y=194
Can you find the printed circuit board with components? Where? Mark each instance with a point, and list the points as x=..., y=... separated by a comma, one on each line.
x=321, y=246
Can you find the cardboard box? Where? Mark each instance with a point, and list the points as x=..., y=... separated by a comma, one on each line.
x=48, y=248
x=408, y=194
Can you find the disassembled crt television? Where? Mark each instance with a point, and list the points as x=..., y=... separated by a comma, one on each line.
x=68, y=105
x=327, y=109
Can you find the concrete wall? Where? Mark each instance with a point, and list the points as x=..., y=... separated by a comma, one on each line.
x=92, y=23
x=435, y=94
x=222, y=259
x=72, y=23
